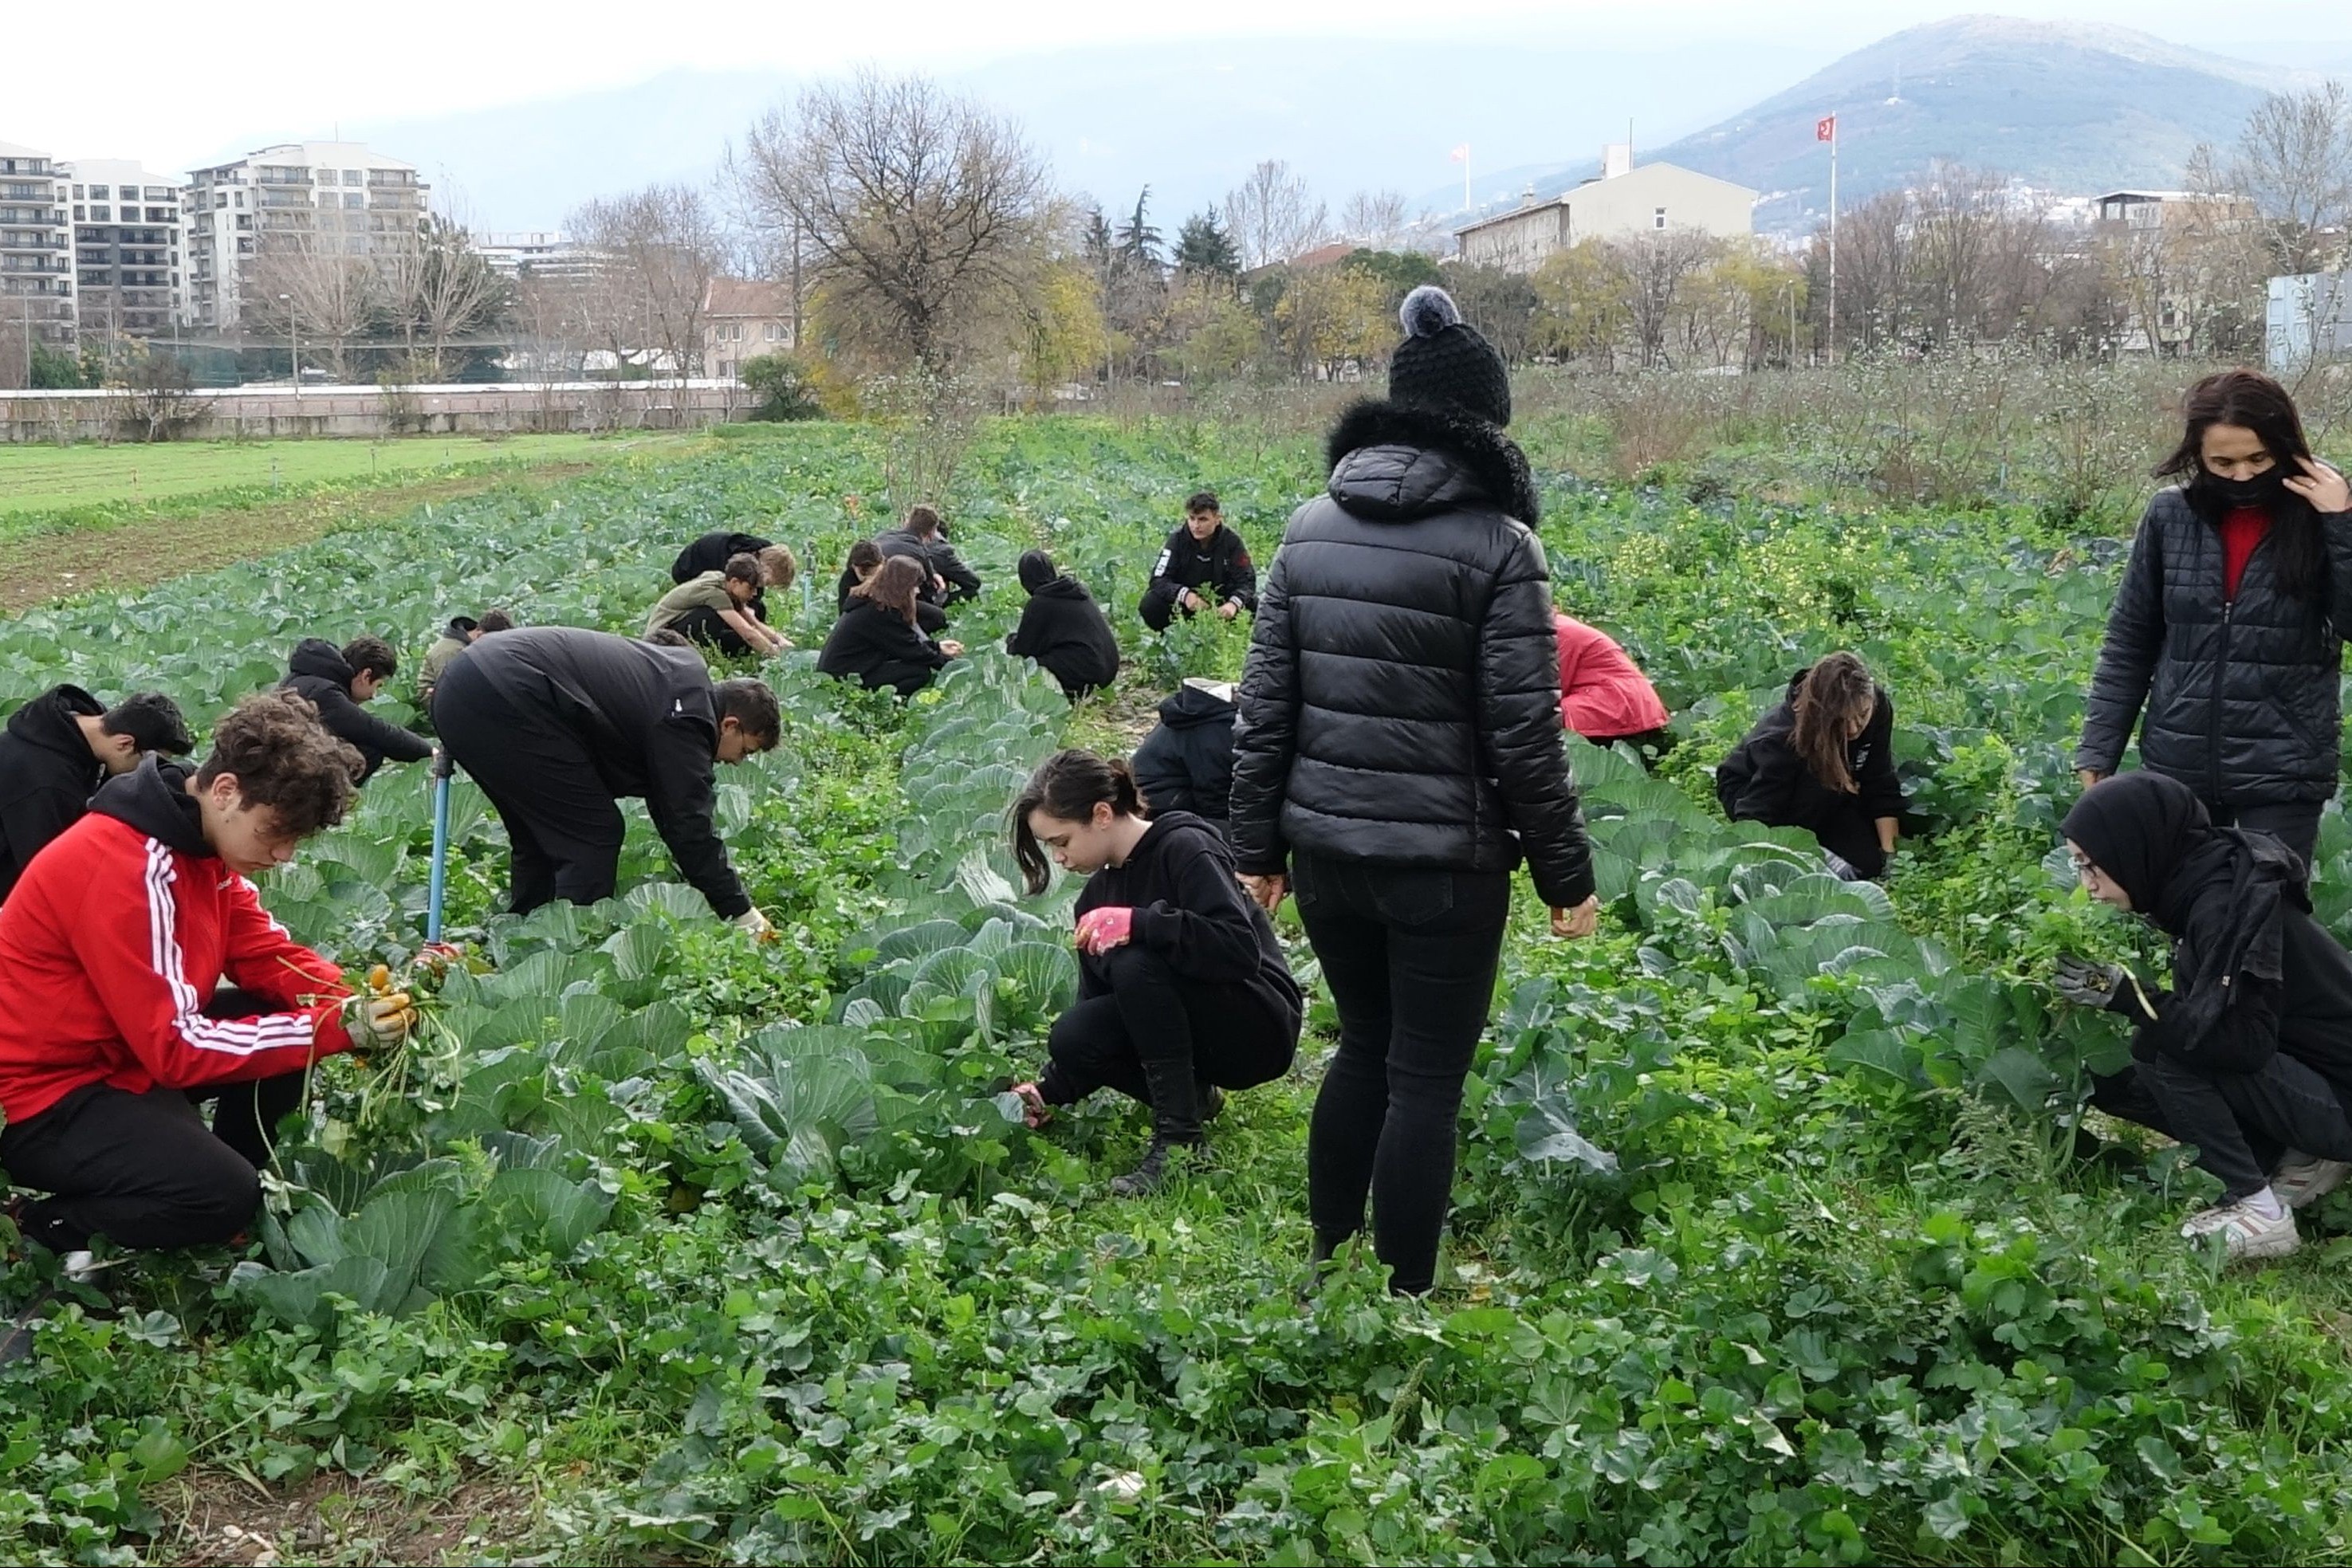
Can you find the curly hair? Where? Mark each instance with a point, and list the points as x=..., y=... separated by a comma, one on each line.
x=282, y=758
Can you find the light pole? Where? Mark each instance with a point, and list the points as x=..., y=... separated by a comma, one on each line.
x=294, y=332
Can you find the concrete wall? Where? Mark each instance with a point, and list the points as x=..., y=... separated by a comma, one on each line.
x=254, y=413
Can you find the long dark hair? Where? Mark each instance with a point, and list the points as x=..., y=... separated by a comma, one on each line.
x=893, y=587
x=2254, y=402
x=1068, y=784
x=1830, y=697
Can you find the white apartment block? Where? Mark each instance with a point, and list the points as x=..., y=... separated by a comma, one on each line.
x=537, y=253
x=335, y=197
x=126, y=253
x=36, y=280
x=1624, y=202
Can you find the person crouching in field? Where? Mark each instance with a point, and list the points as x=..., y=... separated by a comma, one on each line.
x=2249, y=1057
x=1823, y=761
x=1184, y=991
x=878, y=642
x=58, y=749
x=114, y=1018
x=923, y=538
x=1186, y=763
x=1063, y=628
x=339, y=682
x=866, y=559
x=462, y=633
x=1203, y=563
x=1603, y=694
x=715, y=609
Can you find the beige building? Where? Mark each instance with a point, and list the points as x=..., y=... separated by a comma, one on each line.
x=1623, y=203
x=333, y=197
x=742, y=320
x=36, y=292
x=126, y=223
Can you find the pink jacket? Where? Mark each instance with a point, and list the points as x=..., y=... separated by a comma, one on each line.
x=1603, y=696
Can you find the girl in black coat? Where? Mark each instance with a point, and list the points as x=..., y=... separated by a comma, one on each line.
x=2224, y=629
x=865, y=560
x=1064, y=630
x=1184, y=991
x=1823, y=761
x=876, y=639
x=2249, y=1057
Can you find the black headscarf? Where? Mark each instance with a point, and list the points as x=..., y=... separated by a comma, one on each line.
x=1036, y=569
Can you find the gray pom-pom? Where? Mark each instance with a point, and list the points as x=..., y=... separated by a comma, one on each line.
x=1427, y=311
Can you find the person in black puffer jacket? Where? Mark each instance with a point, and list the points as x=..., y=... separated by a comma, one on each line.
x=1823, y=761
x=1186, y=763
x=1063, y=628
x=336, y=681
x=2226, y=624
x=1399, y=751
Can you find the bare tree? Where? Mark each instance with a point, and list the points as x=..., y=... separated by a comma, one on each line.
x=1273, y=217
x=1375, y=218
x=161, y=396
x=924, y=211
x=1656, y=268
x=2293, y=162
x=1875, y=260
x=456, y=293
x=1976, y=255
x=658, y=250
x=313, y=286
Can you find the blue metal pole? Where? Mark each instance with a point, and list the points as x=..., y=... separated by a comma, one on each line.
x=439, y=885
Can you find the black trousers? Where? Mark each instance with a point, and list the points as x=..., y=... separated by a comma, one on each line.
x=2239, y=1123
x=1234, y=1036
x=563, y=824
x=705, y=625
x=1162, y=602
x=1410, y=957
x=2294, y=823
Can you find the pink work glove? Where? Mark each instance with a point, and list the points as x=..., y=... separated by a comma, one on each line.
x=1100, y=930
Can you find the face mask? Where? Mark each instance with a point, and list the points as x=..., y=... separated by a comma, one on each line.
x=2259, y=491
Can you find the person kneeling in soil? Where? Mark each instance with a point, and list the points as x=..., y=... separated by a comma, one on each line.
x=1603, y=694
x=1823, y=761
x=58, y=749
x=2249, y=1057
x=114, y=1020
x=1186, y=763
x=339, y=682
x=878, y=639
x=715, y=609
x=555, y=723
x=1063, y=628
x=1183, y=992
x=1202, y=563
x=462, y=633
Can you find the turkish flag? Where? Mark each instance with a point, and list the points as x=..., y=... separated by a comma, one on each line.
x=1825, y=127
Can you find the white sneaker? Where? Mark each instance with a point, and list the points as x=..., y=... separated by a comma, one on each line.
x=2246, y=1231
x=2302, y=1180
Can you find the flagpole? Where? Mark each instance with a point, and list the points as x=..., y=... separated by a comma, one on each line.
x=1466, y=176
x=1833, y=206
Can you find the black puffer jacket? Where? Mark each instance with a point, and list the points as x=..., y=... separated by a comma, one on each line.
x=317, y=671
x=2243, y=699
x=1400, y=705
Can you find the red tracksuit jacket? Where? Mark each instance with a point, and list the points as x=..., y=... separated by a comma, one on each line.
x=113, y=942
x=1603, y=694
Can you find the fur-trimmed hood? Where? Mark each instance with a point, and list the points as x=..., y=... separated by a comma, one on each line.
x=1399, y=461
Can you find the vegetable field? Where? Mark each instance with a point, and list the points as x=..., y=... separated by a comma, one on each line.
x=1777, y=1238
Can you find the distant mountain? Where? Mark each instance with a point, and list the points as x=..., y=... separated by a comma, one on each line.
x=2064, y=107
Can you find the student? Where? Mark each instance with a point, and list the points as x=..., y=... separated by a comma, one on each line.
x=1823, y=761
x=2248, y=1059
x=1063, y=628
x=2225, y=625
x=712, y=551
x=140, y=974
x=1201, y=555
x=60, y=746
x=556, y=724
x=866, y=559
x=1603, y=694
x=1399, y=751
x=460, y=635
x=1186, y=763
x=715, y=610
x=877, y=639
x=337, y=680
x=923, y=537
x=1184, y=991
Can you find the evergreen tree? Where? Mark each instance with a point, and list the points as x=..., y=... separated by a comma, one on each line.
x=1139, y=242
x=1202, y=245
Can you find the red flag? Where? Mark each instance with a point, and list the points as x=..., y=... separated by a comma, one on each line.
x=1462, y=154
x=1825, y=127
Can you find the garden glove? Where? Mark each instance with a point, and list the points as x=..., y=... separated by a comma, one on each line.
x=386, y=1021
x=1100, y=930
x=2089, y=985
x=755, y=925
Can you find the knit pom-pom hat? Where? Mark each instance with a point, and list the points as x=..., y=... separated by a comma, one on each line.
x=1444, y=362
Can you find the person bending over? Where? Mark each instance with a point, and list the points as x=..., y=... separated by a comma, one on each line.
x=556, y=724
x=2248, y=1058
x=866, y=559
x=1186, y=763
x=115, y=1020
x=1823, y=761
x=1063, y=628
x=60, y=746
x=337, y=682
x=462, y=633
x=877, y=639
x=1184, y=991
x=1202, y=563
x=923, y=538
x=1603, y=694
x=716, y=608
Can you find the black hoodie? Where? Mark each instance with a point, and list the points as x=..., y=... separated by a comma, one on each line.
x=928, y=616
x=1063, y=628
x=1764, y=781
x=317, y=671
x=47, y=774
x=1218, y=568
x=153, y=798
x=1186, y=763
x=937, y=557
x=1191, y=910
x=879, y=649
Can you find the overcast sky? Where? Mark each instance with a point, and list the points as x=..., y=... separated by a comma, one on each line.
x=191, y=90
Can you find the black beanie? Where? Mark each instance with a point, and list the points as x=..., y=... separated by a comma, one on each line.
x=1444, y=362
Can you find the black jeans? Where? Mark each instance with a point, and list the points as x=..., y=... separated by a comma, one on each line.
x=1234, y=1036
x=704, y=626
x=1410, y=957
x=2239, y=1123
x=563, y=823
x=2294, y=823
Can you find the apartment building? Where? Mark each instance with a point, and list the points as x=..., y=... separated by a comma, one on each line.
x=36, y=280
x=326, y=198
x=1623, y=203
x=537, y=253
x=128, y=281
x=743, y=319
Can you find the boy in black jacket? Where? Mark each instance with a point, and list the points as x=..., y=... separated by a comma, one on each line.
x=1204, y=562
x=58, y=749
x=923, y=537
x=1186, y=763
x=336, y=681
x=1064, y=630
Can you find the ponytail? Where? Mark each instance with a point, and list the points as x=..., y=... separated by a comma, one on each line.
x=1828, y=698
x=1068, y=785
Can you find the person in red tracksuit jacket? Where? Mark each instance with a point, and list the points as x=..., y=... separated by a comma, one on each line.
x=113, y=1020
x=1603, y=694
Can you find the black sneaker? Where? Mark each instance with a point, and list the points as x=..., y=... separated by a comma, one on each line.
x=1152, y=1172
x=1212, y=1102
